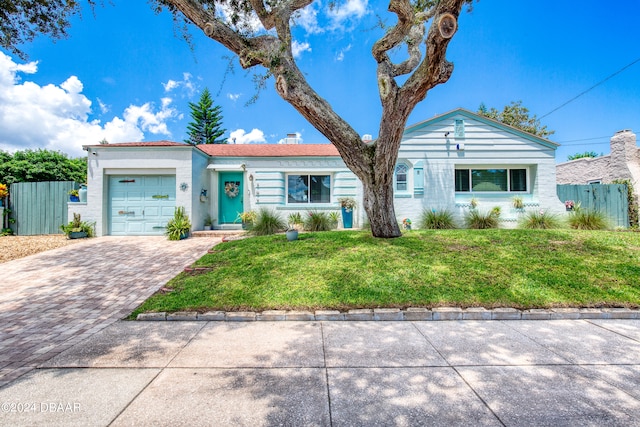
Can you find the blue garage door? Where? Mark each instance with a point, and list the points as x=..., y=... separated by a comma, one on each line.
x=140, y=205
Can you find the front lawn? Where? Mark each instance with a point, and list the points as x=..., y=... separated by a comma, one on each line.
x=350, y=269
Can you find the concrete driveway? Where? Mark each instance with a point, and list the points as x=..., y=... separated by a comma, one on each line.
x=55, y=299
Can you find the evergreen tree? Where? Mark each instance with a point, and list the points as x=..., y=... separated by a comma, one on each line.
x=206, y=127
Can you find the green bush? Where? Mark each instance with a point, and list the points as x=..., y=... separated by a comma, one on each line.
x=317, y=221
x=437, y=220
x=267, y=222
x=540, y=221
x=179, y=225
x=588, y=219
x=482, y=220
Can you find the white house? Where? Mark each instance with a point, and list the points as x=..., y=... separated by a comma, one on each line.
x=443, y=163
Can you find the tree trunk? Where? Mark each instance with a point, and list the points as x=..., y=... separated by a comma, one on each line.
x=378, y=204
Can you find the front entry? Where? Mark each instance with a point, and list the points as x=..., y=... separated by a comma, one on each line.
x=230, y=197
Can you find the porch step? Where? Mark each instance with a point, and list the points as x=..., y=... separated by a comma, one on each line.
x=217, y=233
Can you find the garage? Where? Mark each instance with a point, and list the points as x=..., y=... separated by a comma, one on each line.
x=140, y=205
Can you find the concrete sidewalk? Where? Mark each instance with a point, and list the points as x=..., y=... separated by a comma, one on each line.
x=514, y=373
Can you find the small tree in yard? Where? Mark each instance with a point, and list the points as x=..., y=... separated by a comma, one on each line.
x=206, y=127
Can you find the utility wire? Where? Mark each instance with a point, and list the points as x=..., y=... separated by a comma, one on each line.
x=585, y=139
x=591, y=88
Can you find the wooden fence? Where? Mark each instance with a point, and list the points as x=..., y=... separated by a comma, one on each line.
x=611, y=199
x=39, y=207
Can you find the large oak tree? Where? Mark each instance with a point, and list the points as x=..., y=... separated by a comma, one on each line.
x=423, y=27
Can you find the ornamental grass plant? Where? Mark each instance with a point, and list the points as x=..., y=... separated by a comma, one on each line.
x=588, y=219
x=477, y=220
x=540, y=220
x=437, y=220
x=267, y=222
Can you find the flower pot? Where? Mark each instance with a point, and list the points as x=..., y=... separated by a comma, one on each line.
x=207, y=228
x=347, y=218
x=82, y=194
x=292, y=235
x=184, y=235
x=77, y=234
x=74, y=198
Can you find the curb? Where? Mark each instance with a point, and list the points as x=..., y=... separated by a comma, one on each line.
x=395, y=314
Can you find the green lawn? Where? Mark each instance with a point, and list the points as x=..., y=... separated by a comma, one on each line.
x=342, y=270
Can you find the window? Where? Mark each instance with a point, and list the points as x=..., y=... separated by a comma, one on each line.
x=458, y=131
x=491, y=180
x=309, y=188
x=401, y=177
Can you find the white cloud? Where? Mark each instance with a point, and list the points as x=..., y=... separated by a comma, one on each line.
x=239, y=136
x=247, y=23
x=307, y=18
x=185, y=83
x=104, y=108
x=58, y=117
x=340, y=54
x=297, y=48
x=233, y=96
x=351, y=10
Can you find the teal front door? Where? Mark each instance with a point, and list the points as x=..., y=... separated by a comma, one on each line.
x=230, y=199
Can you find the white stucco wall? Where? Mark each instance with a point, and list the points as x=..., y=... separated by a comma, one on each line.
x=113, y=160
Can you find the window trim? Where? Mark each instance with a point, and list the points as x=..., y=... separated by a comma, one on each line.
x=395, y=178
x=308, y=175
x=508, y=170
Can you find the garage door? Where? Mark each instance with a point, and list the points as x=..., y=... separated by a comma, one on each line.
x=140, y=205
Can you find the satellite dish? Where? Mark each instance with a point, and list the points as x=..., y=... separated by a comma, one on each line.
x=447, y=25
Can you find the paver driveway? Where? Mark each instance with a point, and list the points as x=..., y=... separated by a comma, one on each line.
x=52, y=300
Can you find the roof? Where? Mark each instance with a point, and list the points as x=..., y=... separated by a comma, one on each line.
x=531, y=137
x=141, y=144
x=269, y=150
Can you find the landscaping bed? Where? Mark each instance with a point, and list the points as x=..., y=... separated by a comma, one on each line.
x=14, y=247
x=466, y=268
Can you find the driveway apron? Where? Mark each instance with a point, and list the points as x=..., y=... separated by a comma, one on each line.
x=52, y=300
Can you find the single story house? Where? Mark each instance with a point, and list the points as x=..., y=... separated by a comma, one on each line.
x=622, y=163
x=443, y=163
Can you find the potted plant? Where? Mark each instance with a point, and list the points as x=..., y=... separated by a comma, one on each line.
x=291, y=232
x=569, y=205
x=207, y=222
x=74, y=195
x=247, y=218
x=78, y=229
x=347, y=204
x=179, y=226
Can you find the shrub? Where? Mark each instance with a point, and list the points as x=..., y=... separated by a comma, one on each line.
x=540, y=221
x=482, y=220
x=588, y=219
x=317, y=221
x=437, y=220
x=267, y=222
x=334, y=219
x=179, y=225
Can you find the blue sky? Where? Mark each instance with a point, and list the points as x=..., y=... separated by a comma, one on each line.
x=124, y=75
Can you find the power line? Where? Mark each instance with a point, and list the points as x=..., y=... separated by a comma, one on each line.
x=585, y=139
x=591, y=88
